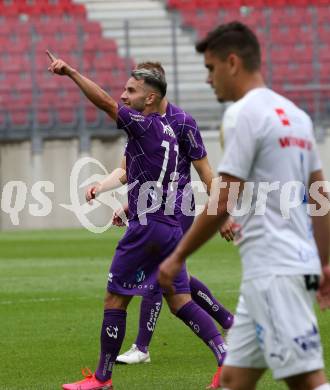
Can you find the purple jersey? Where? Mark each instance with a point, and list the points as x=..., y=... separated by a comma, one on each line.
x=191, y=147
x=152, y=153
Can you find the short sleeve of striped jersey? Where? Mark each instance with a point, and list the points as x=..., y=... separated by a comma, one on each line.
x=132, y=122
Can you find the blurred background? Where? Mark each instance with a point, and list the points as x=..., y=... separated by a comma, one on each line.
x=46, y=124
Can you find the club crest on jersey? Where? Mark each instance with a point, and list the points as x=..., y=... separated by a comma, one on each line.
x=137, y=117
x=283, y=117
x=167, y=129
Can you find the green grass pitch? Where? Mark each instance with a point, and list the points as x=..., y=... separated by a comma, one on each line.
x=51, y=291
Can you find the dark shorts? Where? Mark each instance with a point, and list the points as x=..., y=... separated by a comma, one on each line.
x=135, y=265
x=185, y=222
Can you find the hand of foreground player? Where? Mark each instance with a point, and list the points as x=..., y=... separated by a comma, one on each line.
x=92, y=192
x=167, y=272
x=227, y=229
x=58, y=66
x=323, y=294
x=117, y=218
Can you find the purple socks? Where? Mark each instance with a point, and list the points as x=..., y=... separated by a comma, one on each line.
x=151, y=307
x=149, y=313
x=202, y=324
x=112, y=336
x=203, y=297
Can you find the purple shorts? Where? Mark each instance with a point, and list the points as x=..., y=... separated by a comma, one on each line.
x=135, y=265
x=185, y=222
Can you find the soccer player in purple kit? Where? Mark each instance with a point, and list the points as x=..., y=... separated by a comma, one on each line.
x=191, y=152
x=151, y=159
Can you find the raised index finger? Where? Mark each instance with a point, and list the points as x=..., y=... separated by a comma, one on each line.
x=51, y=56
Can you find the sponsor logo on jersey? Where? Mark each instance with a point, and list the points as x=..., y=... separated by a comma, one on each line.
x=167, y=129
x=289, y=141
x=131, y=286
x=137, y=117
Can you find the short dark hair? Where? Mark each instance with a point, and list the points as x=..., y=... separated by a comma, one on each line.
x=234, y=37
x=153, y=76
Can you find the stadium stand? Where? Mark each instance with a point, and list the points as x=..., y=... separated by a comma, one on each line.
x=294, y=36
x=148, y=30
x=100, y=37
x=30, y=96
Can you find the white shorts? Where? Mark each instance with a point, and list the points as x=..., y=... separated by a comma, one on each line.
x=275, y=326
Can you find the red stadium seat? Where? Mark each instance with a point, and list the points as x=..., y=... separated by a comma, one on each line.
x=324, y=53
x=291, y=16
x=21, y=46
x=3, y=118
x=302, y=53
x=5, y=28
x=78, y=10
x=256, y=18
x=24, y=82
x=324, y=72
x=294, y=73
x=50, y=23
x=92, y=114
x=292, y=34
x=323, y=15
x=18, y=107
x=229, y=15
x=10, y=10
x=182, y=4
x=45, y=115
x=48, y=82
x=66, y=114
x=286, y=53
x=324, y=33
x=20, y=117
x=9, y=82
x=91, y=30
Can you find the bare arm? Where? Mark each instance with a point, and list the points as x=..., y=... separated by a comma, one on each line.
x=114, y=180
x=91, y=90
x=204, y=171
x=204, y=227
